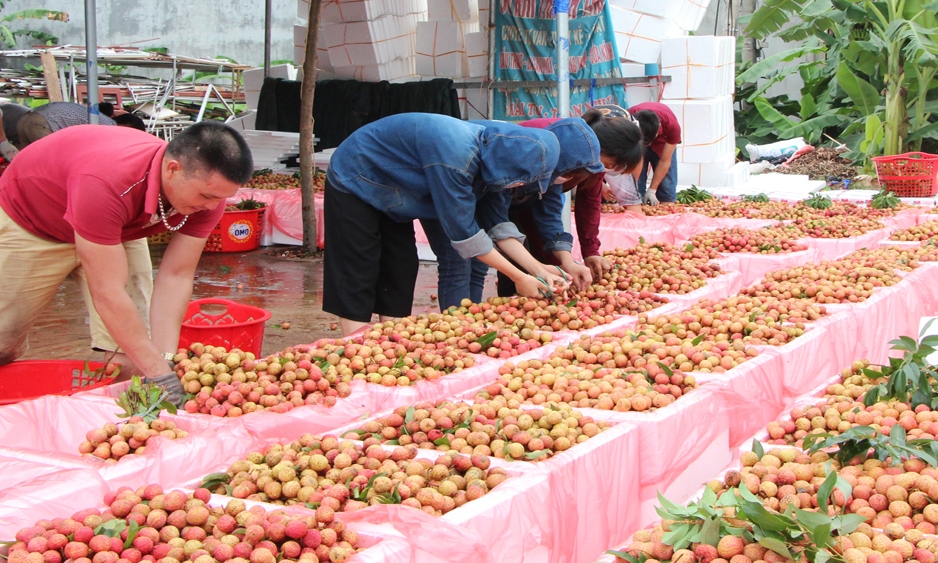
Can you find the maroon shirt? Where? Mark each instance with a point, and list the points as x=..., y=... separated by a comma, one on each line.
x=101, y=182
x=589, y=199
x=670, y=131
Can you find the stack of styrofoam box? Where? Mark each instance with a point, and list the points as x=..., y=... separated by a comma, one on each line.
x=708, y=145
x=701, y=66
x=368, y=40
x=686, y=14
x=702, y=70
x=254, y=80
x=637, y=93
x=639, y=36
x=442, y=41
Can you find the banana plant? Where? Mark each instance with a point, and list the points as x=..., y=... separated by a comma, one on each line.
x=8, y=35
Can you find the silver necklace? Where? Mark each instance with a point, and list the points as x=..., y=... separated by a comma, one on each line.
x=164, y=218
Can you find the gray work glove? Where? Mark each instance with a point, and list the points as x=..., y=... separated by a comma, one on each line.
x=171, y=383
x=650, y=198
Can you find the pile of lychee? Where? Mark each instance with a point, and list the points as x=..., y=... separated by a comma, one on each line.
x=494, y=427
x=112, y=442
x=660, y=268
x=836, y=226
x=739, y=239
x=751, y=320
x=925, y=231
x=331, y=476
x=847, y=280
x=173, y=527
x=540, y=383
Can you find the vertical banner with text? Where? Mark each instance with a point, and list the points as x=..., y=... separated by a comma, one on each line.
x=524, y=50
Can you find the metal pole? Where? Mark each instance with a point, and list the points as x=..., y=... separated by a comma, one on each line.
x=91, y=56
x=561, y=7
x=267, y=24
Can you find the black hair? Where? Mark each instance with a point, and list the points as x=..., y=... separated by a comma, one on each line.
x=130, y=120
x=618, y=137
x=106, y=108
x=650, y=124
x=210, y=146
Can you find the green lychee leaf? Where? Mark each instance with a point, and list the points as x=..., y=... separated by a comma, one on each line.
x=409, y=415
x=536, y=455
x=697, y=340
x=679, y=536
x=213, y=480
x=309, y=505
x=777, y=546
x=757, y=448
x=131, y=534
x=111, y=528
x=442, y=441
x=709, y=532
x=666, y=369
x=487, y=339
x=630, y=558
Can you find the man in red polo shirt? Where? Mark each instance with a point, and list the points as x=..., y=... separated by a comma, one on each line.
x=661, y=131
x=69, y=200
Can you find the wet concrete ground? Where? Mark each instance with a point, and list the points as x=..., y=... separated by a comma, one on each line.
x=291, y=289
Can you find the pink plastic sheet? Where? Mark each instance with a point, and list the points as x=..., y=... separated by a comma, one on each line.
x=753, y=267
x=285, y=211
x=904, y=219
x=926, y=217
x=58, y=494
x=622, y=230
x=833, y=248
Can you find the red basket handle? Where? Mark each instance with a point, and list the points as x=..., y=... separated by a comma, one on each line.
x=213, y=301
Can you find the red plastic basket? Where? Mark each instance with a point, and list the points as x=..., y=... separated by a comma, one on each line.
x=29, y=379
x=237, y=231
x=232, y=326
x=913, y=174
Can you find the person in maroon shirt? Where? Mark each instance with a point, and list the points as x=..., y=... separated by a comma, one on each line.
x=662, y=133
x=69, y=200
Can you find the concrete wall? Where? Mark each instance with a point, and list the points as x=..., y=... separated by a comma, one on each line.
x=201, y=28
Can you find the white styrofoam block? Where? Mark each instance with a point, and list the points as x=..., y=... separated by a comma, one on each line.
x=700, y=66
x=302, y=9
x=705, y=174
x=253, y=80
x=334, y=11
x=371, y=42
x=686, y=14
x=477, y=53
x=640, y=93
x=245, y=122
x=441, y=48
x=465, y=11
x=632, y=70
x=707, y=132
x=736, y=175
x=473, y=103
x=391, y=70
x=639, y=36
x=299, y=48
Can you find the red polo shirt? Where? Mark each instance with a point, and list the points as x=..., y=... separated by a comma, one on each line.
x=589, y=200
x=101, y=182
x=670, y=132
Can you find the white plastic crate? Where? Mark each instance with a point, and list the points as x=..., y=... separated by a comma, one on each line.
x=737, y=175
x=639, y=36
x=706, y=128
x=701, y=66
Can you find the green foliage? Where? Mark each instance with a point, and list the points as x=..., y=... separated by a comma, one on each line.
x=884, y=200
x=693, y=194
x=8, y=36
x=759, y=198
x=908, y=379
x=145, y=400
x=818, y=201
x=250, y=204
x=861, y=442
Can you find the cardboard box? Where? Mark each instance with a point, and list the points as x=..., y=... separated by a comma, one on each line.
x=463, y=11
x=706, y=174
x=477, y=54
x=639, y=36
x=392, y=70
x=441, y=49
x=706, y=128
x=700, y=66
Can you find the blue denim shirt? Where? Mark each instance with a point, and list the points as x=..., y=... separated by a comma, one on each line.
x=428, y=166
x=579, y=148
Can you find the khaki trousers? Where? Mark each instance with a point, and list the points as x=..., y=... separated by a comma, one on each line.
x=31, y=271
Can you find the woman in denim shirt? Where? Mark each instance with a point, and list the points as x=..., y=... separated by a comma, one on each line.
x=425, y=166
x=581, y=156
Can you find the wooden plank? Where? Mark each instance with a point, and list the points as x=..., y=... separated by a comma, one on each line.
x=49, y=70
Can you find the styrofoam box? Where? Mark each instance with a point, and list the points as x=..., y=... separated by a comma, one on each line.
x=465, y=11
x=632, y=70
x=686, y=14
x=392, y=70
x=639, y=36
x=700, y=66
x=477, y=53
x=706, y=174
x=299, y=49
x=253, y=80
x=245, y=122
x=640, y=93
x=441, y=48
x=364, y=10
x=473, y=103
x=371, y=42
x=706, y=128
x=737, y=175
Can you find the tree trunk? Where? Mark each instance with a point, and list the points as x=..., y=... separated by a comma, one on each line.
x=308, y=90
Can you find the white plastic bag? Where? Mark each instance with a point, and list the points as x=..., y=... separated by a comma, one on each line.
x=775, y=150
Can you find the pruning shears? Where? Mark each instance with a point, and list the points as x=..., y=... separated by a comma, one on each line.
x=549, y=292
